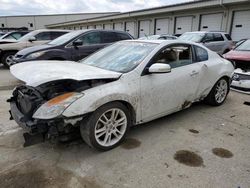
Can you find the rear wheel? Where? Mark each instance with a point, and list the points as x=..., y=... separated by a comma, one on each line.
x=7, y=58
x=219, y=93
x=107, y=127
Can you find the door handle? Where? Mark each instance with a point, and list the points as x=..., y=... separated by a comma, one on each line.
x=193, y=73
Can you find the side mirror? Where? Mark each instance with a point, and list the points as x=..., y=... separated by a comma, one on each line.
x=31, y=39
x=159, y=68
x=77, y=43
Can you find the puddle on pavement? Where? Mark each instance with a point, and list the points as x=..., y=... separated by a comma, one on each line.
x=223, y=153
x=28, y=176
x=188, y=158
x=193, y=131
x=131, y=143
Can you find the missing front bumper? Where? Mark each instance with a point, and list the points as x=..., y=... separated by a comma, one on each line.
x=38, y=131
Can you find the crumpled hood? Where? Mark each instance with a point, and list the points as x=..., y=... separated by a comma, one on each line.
x=238, y=55
x=35, y=73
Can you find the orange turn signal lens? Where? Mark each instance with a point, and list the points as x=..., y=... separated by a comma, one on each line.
x=59, y=99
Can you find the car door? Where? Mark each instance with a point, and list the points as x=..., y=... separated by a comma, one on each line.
x=165, y=93
x=41, y=38
x=214, y=41
x=90, y=42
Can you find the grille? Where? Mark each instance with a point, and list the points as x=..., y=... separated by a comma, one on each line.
x=238, y=77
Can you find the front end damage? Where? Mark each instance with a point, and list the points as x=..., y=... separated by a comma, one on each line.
x=27, y=104
x=241, y=82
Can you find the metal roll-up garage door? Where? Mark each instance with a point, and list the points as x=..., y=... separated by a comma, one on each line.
x=119, y=26
x=211, y=22
x=83, y=27
x=183, y=24
x=108, y=26
x=99, y=26
x=162, y=26
x=241, y=25
x=144, y=28
x=130, y=28
x=91, y=27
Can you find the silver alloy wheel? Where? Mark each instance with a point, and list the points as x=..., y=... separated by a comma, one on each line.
x=221, y=91
x=110, y=127
x=9, y=59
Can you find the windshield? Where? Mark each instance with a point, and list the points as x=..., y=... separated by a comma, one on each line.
x=193, y=37
x=244, y=46
x=120, y=57
x=64, y=38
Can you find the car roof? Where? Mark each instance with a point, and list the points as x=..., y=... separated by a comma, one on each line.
x=207, y=32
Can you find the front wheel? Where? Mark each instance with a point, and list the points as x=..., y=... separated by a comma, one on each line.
x=7, y=59
x=107, y=127
x=219, y=93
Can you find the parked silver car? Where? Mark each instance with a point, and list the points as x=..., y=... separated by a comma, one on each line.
x=219, y=42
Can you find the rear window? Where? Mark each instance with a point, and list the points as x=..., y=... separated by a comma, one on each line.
x=228, y=37
x=201, y=54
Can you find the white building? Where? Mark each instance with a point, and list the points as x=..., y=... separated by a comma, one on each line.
x=33, y=22
x=232, y=16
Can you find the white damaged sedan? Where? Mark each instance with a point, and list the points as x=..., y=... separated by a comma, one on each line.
x=127, y=83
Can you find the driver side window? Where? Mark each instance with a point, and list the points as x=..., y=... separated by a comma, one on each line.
x=175, y=56
x=90, y=38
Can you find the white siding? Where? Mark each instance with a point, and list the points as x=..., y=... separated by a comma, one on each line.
x=162, y=26
x=241, y=25
x=183, y=24
x=211, y=22
x=144, y=28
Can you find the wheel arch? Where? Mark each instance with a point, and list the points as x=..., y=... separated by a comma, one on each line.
x=127, y=105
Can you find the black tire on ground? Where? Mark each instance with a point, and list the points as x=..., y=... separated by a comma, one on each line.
x=87, y=128
x=211, y=99
x=5, y=58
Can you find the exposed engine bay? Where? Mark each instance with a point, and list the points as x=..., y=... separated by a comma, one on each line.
x=26, y=100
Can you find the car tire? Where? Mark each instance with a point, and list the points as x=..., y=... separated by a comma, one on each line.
x=6, y=59
x=102, y=132
x=219, y=92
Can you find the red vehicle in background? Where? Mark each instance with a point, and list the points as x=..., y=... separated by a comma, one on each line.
x=240, y=55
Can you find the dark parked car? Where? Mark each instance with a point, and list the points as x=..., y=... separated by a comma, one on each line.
x=72, y=46
x=34, y=38
x=1, y=34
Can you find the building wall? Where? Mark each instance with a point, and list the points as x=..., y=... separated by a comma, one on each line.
x=196, y=14
x=39, y=21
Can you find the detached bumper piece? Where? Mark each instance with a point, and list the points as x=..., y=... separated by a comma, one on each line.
x=38, y=131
